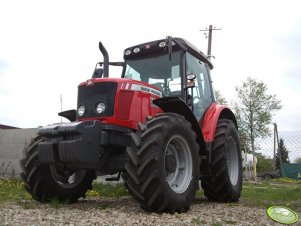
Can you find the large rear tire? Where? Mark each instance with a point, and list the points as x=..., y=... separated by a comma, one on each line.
x=46, y=182
x=225, y=184
x=163, y=167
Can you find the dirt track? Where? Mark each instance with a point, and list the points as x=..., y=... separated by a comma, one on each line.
x=125, y=211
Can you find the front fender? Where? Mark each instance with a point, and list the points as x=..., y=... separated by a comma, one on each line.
x=70, y=115
x=176, y=105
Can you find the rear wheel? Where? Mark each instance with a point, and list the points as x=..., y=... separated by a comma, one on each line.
x=225, y=184
x=46, y=182
x=163, y=168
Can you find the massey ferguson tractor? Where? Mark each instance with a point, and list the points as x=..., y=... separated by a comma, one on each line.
x=158, y=127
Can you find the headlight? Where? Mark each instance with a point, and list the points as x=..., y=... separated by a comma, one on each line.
x=100, y=108
x=128, y=52
x=162, y=44
x=136, y=50
x=81, y=110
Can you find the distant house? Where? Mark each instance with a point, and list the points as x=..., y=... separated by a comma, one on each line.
x=7, y=127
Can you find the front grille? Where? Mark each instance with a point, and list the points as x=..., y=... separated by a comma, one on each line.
x=90, y=96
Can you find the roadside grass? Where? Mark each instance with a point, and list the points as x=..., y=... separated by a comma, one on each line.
x=284, y=192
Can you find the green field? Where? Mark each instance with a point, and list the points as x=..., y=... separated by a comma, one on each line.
x=284, y=192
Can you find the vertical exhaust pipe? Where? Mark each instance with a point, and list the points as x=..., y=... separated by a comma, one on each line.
x=105, y=60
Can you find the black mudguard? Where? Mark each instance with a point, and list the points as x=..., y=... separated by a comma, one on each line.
x=176, y=105
x=70, y=115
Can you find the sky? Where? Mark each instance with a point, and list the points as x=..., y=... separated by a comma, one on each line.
x=48, y=47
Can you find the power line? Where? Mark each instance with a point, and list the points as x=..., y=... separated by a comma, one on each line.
x=209, y=36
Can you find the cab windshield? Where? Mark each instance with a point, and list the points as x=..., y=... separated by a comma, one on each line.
x=157, y=70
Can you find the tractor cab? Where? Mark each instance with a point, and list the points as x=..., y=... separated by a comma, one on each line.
x=175, y=67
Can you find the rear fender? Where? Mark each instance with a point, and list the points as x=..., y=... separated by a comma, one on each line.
x=209, y=123
x=212, y=115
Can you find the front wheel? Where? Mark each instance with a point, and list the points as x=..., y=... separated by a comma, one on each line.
x=225, y=184
x=163, y=168
x=46, y=182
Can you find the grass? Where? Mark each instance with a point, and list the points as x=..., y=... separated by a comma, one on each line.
x=12, y=191
x=284, y=192
x=276, y=192
x=106, y=190
x=56, y=204
x=281, y=191
x=198, y=221
x=287, y=180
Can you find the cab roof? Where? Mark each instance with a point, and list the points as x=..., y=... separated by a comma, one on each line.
x=153, y=46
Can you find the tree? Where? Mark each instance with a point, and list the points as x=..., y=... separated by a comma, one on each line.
x=254, y=110
x=298, y=160
x=281, y=155
x=219, y=98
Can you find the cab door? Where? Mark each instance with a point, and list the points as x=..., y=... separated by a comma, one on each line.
x=201, y=93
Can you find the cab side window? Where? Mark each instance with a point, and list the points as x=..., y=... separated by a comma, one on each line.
x=201, y=93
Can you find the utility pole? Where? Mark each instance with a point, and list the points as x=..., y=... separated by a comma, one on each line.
x=209, y=36
x=276, y=150
x=61, y=100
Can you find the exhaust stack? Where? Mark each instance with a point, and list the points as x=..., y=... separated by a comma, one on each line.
x=105, y=60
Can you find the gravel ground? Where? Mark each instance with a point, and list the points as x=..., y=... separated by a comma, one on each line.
x=125, y=211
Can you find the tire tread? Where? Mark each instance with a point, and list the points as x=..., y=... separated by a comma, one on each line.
x=145, y=180
x=218, y=187
x=40, y=183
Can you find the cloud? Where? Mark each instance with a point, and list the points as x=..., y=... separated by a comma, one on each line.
x=2, y=65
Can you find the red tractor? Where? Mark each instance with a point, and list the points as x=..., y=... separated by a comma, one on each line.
x=158, y=126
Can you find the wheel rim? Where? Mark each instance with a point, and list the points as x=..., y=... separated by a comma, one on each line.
x=67, y=178
x=232, y=162
x=178, y=164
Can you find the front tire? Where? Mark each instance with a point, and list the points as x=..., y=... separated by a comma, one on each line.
x=163, y=167
x=46, y=182
x=225, y=184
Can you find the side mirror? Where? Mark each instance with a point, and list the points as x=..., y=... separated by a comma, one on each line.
x=190, y=80
x=190, y=76
x=97, y=73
